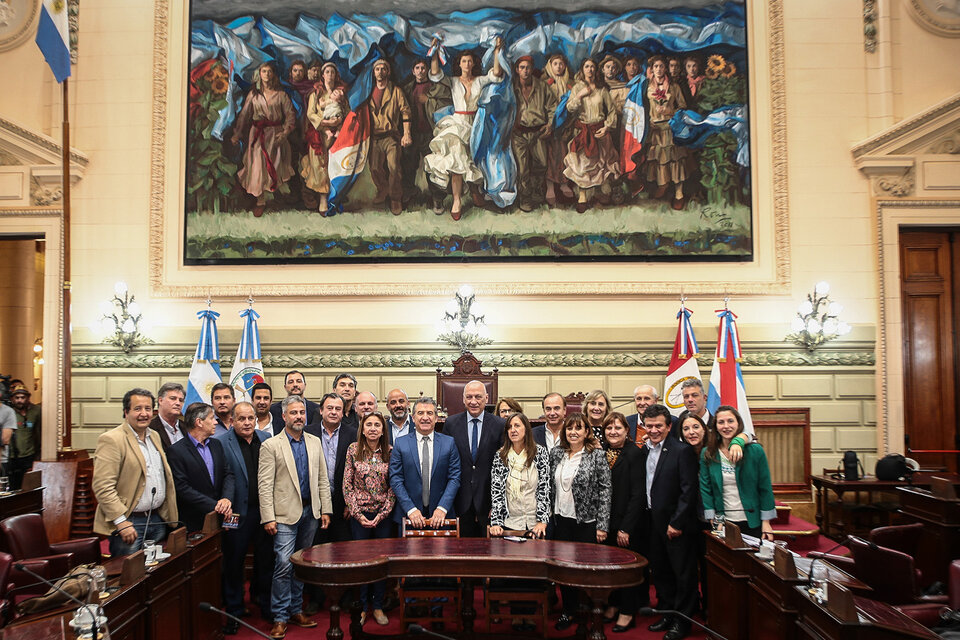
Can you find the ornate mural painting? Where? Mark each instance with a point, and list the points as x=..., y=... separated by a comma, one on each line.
x=411, y=132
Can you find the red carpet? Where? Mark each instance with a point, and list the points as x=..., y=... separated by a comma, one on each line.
x=323, y=619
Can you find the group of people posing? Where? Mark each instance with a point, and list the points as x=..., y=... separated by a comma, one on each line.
x=288, y=128
x=299, y=473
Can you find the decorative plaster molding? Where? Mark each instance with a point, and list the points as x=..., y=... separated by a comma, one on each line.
x=950, y=144
x=899, y=186
x=161, y=288
x=941, y=17
x=17, y=27
x=870, y=26
x=913, y=127
x=39, y=146
x=43, y=196
x=857, y=358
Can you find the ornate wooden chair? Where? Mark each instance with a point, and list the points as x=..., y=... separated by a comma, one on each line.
x=450, y=385
x=574, y=402
x=419, y=597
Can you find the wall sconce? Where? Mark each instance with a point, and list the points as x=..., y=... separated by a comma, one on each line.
x=817, y=320
x=462, y=325
x=121, y=320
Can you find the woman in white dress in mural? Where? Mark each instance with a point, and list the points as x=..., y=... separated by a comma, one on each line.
x=449, y=160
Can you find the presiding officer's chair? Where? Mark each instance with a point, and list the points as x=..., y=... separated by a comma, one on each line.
x=419, y=596
x=450, y=385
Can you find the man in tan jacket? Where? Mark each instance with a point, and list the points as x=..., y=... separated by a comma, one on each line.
x=294, y=495
x=390, y=117
x=131, y=479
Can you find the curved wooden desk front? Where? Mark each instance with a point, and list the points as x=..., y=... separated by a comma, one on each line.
x=597, y=569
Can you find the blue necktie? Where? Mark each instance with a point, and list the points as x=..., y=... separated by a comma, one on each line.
x=476, y=437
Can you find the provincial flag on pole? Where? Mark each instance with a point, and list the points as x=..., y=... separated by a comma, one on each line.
x=248, y=366
x=726, y=379
x=683, y=362
x=205, y=371
x=53, y=37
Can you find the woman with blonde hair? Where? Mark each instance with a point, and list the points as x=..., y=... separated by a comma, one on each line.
x=596, y=408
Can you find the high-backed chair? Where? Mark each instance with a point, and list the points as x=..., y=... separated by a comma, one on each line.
x=904, y=538
x=574, y=402
x=893, y=578
x=450, y=385
x=25, y=538
x=418, y=596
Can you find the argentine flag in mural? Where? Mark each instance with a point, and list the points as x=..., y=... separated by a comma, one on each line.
x=205, y=371
x=247, y=367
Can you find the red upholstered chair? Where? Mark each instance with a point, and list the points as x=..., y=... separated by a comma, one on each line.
x=893, y=578
x=574, y=402
x=904, y=538
x=450, y=385
x=6, y=605
x=25, y=538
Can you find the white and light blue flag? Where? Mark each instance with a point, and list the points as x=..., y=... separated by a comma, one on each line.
x=205, y=371
x=247, y=366
x=53, y=37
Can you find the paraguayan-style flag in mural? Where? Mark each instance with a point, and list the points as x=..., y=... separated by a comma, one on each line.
x=205, y=371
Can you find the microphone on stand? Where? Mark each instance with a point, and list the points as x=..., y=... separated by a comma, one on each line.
x=206, y=606
x=649, y=611
x=416, y=628
x=94, y=613
x=153, y=495
x=821, y=557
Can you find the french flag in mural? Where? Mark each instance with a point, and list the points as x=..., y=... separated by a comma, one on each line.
x=726, y=378
x=634, y=123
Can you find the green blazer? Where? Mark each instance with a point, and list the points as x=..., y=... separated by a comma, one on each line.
x=753, y=482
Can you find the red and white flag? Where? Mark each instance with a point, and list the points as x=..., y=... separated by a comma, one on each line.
x=726, y=379
x=683, y=362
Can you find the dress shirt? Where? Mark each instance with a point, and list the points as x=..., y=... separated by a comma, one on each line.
x=266, y=427
x=550, y=439
x=299, y=448
x=399, y=432
x=204, y=450
x=250, y=452
x=173, y=430
x=470, y=420
x=564, y=477
x=653, y=457
x=330, y=443
x=153, y=480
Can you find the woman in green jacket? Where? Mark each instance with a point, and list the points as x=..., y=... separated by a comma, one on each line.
x=741, y=491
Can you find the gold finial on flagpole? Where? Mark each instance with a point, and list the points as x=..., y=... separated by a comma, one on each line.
x=209, y=302
x=726, y=302
x=250, y=301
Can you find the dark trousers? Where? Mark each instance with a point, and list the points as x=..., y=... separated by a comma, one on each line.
x=629, y=599
x=572, y=531
x=746, y=529
x=17, y=467
x=471, y=526
x=235, y=545
x=674, y=566
x=372, y=593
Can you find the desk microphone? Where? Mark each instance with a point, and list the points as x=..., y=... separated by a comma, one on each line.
x=649, y=611
x=94, y=615
x=206, y=606
x=822, y=558
x=146, y=526
x=416, y=628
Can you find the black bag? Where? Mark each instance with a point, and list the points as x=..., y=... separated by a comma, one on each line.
x=852, y=468
x=893, y=466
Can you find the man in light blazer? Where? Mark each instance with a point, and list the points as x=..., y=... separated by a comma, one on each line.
x=241, y=448
x=294, y=495
x=203, y=480
x=478, y=436
x=132, y=480
x=425, y=486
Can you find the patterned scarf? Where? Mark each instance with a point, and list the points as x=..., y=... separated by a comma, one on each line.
x=612, y=455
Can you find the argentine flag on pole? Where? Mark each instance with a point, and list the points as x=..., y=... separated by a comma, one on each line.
x=247, y=367
x=205, y=371
x=53, y=37
x=683, y=362
x=726, y=379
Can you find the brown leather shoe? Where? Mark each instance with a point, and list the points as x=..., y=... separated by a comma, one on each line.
x=302, y=621
x=278, y=630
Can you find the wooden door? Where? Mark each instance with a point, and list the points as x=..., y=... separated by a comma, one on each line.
x=928, y=278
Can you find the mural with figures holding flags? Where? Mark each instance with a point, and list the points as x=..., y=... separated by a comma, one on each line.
x=385, y=131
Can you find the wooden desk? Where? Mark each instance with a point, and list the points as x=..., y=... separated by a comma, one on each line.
x=877, y=621
x=772, y=600
x=56, y=628
x=595, y=568
x=728, y=579
x=203, y=573
x=940, y=540
x=167, y=592
x=20, y=502
x=869, y=485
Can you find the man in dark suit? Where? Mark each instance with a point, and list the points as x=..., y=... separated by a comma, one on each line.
x=241, y=446
x=203, y=481
x=222, y=399
x=425, y=471
x=168, y=423
x=478, y=436
x=295, y=384
x=670, y=492
x=345, y=386
x=554, y=413
x=646, y=396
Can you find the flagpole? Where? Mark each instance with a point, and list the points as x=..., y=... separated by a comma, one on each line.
x=67, y=350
